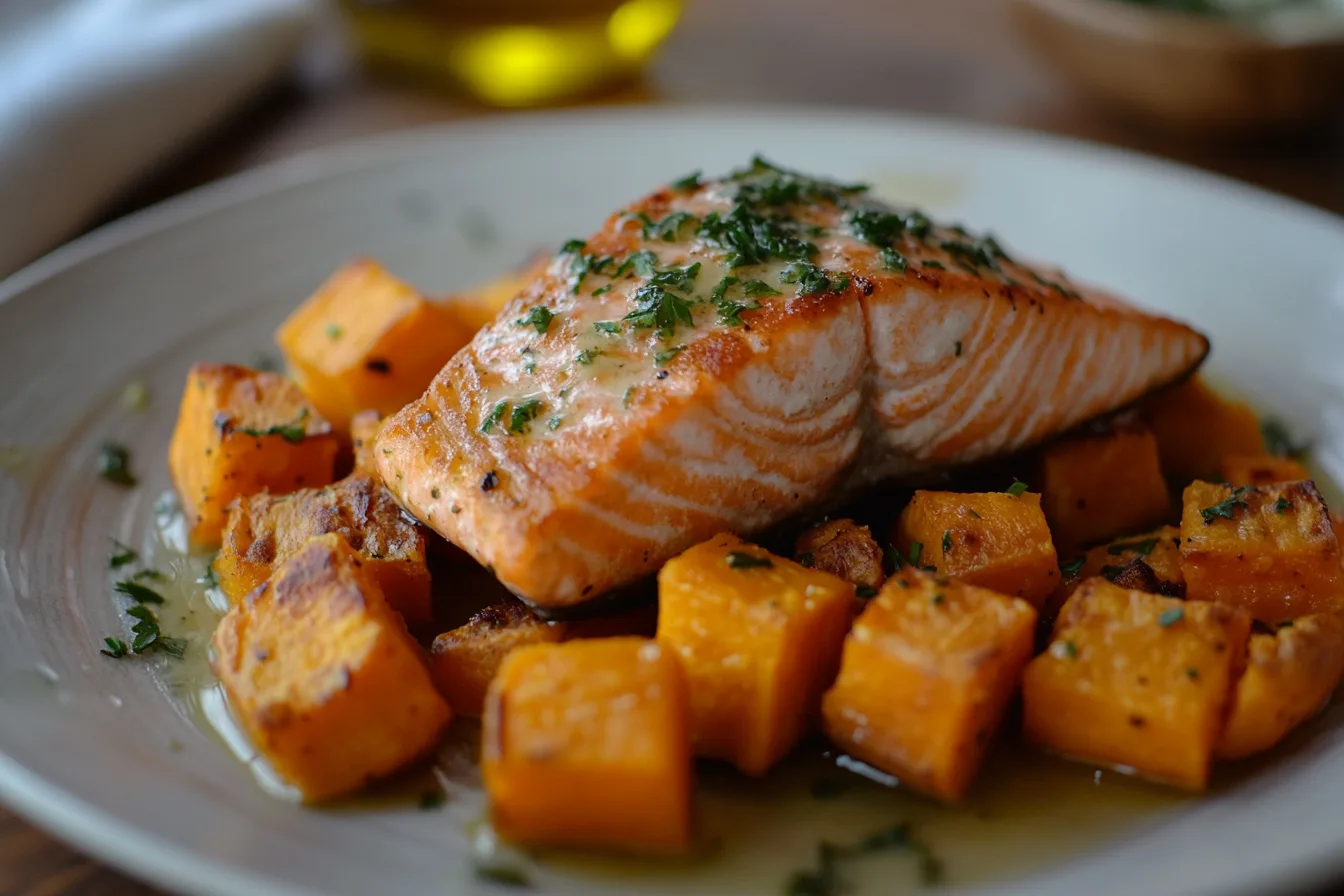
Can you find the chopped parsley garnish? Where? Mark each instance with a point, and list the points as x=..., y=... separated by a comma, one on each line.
x=294, y=431
x=865, y=591
x=826, y=880
x=938, y=265
x=334, y=331
x=812, y=280
x=893, y=557
x=1227, y=508
x=876, y=226
x=148, y=635
x=116, y=648
x=1069, y=650
x=137, y=592
x=610, y=327
x=1017, y=488
x=539, y=318
x=916, y=548
x=666, y=228
x=121, y=555
x=743, y=560
x=149, y=575
x=641, y=263
x=1170, y=617
x=208, y=578
x=938, y=599
x=1073, y=566
x=502, y=875
x=602, y=290
x=688, y=183
x=1283, y=505
x=807, y=559
x=751, y=237
x=583, y=264
x=947, y=540
x=496, y=414
x=1143, y=547
x=1192, y=673
x=680, y=279
x=571, y=247
x=524, y=412
x=658, y=308
x=586, y=356
x=554, y=423
x=758, y=289
x=892, y=260
x=982, y=253
x=661, y=358
x=1279, y=442
x=114, y=464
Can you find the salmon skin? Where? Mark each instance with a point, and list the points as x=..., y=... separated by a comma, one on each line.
x=723, y=355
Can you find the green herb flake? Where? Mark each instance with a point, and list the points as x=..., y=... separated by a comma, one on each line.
x=1283, y=505
x=1143, y=547
x=114, y=464
x=807, y=559
x=121, y=555
x=743, y=560
x=1073, y=567
x=1192, y=673
x=137, y=592
x=502, y=876
x=1227, y=508
x=1280, y=442
x=936, y=265
x=865, y=591
x=602, y=290
x=135, y=396
x=1066, y=650
x=893, y=557
x=1168, y=618
x=658, y=308
x=825, y=878
x=292, y=432
x=893, y=260
x=539, y=318
x=662, y=358
x=116, y=648
x=148, y=635
x=916, y=548
x=938, y=599
x=334, y=331
x=610, y=327
x=1017, y=488
x=208, y=578
x=947, y=540
x=149, y=575
x=554, y=423
x=586, y=356
x=431, y=800
x=688, y=183
x=496, y=414
x=524, y=412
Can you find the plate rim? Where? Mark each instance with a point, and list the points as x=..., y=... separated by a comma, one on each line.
x=139, y=852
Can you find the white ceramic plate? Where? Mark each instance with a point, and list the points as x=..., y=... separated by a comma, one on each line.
x=103, y=753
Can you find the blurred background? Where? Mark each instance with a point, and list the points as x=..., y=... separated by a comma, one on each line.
x=107, y=106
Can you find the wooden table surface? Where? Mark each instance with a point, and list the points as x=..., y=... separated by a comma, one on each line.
x=955, y=58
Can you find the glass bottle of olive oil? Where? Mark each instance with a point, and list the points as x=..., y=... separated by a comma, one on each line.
x=514, y=52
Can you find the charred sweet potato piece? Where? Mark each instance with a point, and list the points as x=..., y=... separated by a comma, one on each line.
x=995, y=540
x=1289, y=676
x=1271, y=550
x=1148, y=562
x=367, y=340
x=759, y=637
x=364, y=428
x=466, y=659
x=586, y=744
x=927, y=674
x=265, y=530
x=1240, y=469
x=1097, y=485
x=1196, y=428
x=1136, y=681
x=842, y=548
x=239, y=432
x=323, y=676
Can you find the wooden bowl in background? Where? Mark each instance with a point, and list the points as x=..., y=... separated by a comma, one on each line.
x=1194, y=74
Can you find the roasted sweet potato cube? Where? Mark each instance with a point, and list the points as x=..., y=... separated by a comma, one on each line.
x=1289, y=677
x=367, y=340
x=1196, y=428
x=239, y=432
x=1097, y=485
x=364, y=428
x=759, y=637
x=927, y=674
x=323, y=676
x=1136, y=681
x=996, y=540
x=586, y=744
x=466, y=659
x=843, y=548
x=266, y=530
x=1240, y=469
x=1271, y=550
x=1148, y=562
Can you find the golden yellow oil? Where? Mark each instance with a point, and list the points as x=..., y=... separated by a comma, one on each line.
x=514, y=53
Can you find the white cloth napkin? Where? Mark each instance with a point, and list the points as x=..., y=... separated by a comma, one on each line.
x=94, y=93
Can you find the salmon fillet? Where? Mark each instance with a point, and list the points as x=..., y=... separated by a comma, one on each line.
x=723, y=355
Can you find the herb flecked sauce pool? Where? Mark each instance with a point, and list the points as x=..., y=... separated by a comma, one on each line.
x=1027, y=812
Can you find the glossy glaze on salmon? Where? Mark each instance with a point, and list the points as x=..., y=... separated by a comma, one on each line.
x=724, y=355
